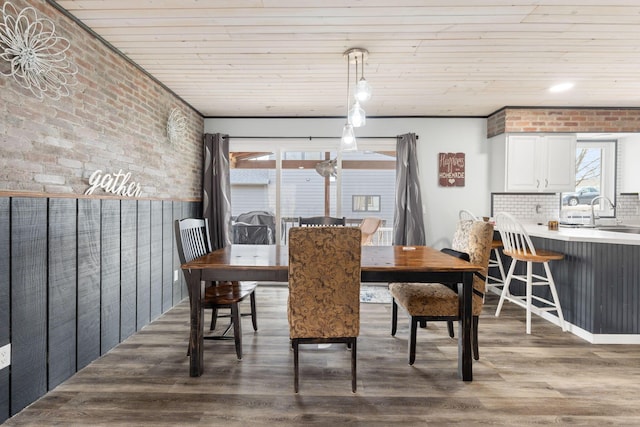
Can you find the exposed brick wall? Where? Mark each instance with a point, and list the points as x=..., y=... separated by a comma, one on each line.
x=563, y=120
x=495, y=123
x=115, y=118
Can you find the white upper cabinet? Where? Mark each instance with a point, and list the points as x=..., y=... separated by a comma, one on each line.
x=540, y=163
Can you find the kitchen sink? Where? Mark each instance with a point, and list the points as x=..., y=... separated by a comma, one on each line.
x=620, y=229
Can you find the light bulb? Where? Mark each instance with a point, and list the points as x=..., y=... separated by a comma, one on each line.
x=348, y=141
x=363, y=91
x=357, y=117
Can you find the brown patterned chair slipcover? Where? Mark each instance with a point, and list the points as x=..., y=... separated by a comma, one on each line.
x=324, y=289
x=435, y=301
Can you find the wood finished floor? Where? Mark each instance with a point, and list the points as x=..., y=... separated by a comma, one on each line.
x=549, y=377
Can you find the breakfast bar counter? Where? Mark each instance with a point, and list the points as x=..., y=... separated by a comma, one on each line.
x=598, y=281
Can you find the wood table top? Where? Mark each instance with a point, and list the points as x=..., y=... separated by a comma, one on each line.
x=374, y=258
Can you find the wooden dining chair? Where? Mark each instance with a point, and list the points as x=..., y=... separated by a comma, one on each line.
x=518, y=246
x=324, y=289
x=316, y=221
x=193, y=241
x=438, y=302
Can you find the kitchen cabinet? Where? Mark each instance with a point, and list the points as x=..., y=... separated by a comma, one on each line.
x=535, y=163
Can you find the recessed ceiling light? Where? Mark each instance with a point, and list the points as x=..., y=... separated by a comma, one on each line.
x=561, y=87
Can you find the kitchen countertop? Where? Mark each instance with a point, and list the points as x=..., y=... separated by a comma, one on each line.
x=593, y=235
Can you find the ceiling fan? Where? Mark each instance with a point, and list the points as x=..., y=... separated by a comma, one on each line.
x=327, y=168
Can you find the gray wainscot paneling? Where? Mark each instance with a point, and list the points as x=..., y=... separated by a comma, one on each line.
x=598, y=284
x=77, y=277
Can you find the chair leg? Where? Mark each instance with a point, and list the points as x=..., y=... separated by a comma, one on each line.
x=394, y=317
x=528, y=294
x=214, y=318
x=450, y=328
x=412, y=340
x=353, y=365
x=294, y=343
x=476, y=350
x=254, y=318
x=505, y=288
x=554, y=294
x=237, y=329
x=500, y=266
x=491, y=282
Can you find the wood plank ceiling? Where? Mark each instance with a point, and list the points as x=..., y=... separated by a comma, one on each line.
x=270, y=58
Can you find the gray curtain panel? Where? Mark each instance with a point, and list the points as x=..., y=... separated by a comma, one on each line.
x=408, y=223
x=216, y=189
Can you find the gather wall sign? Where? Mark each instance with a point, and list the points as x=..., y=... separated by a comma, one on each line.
x=114, y=183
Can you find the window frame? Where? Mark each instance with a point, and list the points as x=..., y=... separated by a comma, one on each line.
x=366, y=204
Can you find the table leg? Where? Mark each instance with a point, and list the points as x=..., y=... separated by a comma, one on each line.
x=196, y=337
x=465, y=368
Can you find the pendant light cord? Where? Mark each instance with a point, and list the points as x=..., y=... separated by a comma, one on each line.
x=348, y=81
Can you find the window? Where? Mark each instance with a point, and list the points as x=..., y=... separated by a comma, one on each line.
x=595, y=176
x=289, y=178
x=365, y=203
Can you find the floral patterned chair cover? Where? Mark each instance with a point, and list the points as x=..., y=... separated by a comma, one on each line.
x=324, y=288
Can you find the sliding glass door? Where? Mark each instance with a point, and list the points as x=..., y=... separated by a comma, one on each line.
x=307, y=178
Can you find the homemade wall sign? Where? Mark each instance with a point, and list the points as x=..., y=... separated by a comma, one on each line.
x=115, y=183
x=451, y=169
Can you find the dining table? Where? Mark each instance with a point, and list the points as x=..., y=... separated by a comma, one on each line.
x=269, y=263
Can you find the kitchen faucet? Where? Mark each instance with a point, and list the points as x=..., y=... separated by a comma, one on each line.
x=593, y=215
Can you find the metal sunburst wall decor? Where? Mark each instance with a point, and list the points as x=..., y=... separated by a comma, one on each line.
x=37, y=56
x=176, y=126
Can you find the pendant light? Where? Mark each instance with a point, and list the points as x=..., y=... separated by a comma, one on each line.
x=356, y=116
x=363, y=88
x=348, y=141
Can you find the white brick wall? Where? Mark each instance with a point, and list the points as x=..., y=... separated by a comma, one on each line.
x=533, y=207
x=527, y=207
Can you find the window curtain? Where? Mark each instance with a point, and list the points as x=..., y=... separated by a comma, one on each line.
x=408, y=223
x=216, y=189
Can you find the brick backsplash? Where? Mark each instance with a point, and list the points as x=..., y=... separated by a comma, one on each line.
x=542, y=207
x=528, y=207
x=628, y=208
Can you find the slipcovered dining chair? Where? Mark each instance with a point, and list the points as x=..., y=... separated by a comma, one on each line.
x=467, y=215
x=316, y=221
x=324, y=289
x=438, y=302
x=193, y=241
x=494, y=282
x=369, y=226
x=518, y=246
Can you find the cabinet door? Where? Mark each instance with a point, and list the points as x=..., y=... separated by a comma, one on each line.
x=559, y=164
x=541, y=163
x=522, y=168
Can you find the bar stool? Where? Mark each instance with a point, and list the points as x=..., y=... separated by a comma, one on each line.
x=518, y=246
x=493, y=283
